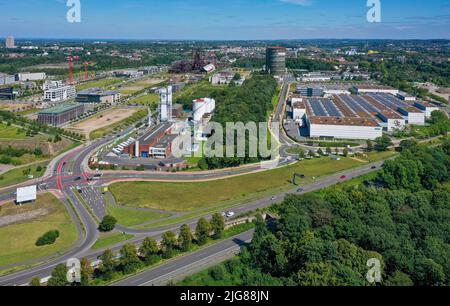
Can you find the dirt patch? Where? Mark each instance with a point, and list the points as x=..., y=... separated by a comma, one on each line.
x=48, y=148
x=102, y=120
x=23, y=217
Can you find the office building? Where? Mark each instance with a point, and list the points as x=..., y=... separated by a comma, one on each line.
x=10, y=42
x=59, y=115
x=97, y=95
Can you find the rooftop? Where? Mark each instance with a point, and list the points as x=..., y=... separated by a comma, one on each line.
x=344, y=121
x=59, y=109
x=155, y=133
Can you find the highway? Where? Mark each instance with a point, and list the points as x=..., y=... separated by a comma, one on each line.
x=177, y=269
x=70, y=170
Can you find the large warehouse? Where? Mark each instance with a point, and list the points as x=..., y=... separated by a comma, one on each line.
x=97, y=95
x=354, y=116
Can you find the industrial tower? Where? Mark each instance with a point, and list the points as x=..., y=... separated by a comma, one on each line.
x=165, y=104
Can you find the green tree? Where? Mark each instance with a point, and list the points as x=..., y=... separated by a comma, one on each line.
x=328, y=150
x=35, y=282
x=399, y=279
x=169, y=244
x=217, y=225
x=129, y=260
x=149, y=250
x=185, y=238
x=59, y=276
x=86, y=271
x=202, y=231
x=383, y=143
x=345, y=152
x=370, y=145
x=108, y=223
x=108, y=266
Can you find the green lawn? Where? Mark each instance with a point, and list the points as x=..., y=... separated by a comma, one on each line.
x=130, y=217
x=17, y=240
x=107, y=240
x=148, y=99
x=198, y=195
x=11, y=132
x=17, y=176
x=99, y=84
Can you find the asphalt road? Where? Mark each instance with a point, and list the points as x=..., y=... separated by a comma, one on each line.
x=175, y=270
x=69, y=170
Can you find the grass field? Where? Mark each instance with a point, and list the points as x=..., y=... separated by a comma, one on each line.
x=149, y=99
x=11, y=132
x=166, y=196
x=130, y=217
x=106, y=240
x=99, y=84
x=17, y=240
x=16, y=176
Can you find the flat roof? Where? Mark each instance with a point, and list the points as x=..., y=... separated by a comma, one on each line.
x=374, y=86
x=59, y=109
x=153, y=134
x=351, y=121
x=391, y=115
x=165, y=142
x=299, y=105
x=411, y=109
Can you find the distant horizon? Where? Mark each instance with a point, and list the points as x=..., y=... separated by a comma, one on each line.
x=232, y=20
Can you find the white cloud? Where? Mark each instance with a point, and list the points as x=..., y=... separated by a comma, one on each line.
x=298, y=2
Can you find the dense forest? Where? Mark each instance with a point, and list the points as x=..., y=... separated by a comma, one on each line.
x=251, y=102
x=400, y=217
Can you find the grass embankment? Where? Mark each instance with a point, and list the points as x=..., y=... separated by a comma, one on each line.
x=17, y=240
x=200, y=195
x=106, y=240
x=118, y=125
x=129, y=217
x=20, y=175
x=99, y=84
x=146, y=100
x=11, y=132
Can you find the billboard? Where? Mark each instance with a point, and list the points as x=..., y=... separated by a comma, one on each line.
x=26, y=194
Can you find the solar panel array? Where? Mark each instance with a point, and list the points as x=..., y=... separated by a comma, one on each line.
x=369, y=107
x=331, y=108
x=352, y=104
x=318, y=108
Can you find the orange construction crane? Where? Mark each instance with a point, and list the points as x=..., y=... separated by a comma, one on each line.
x=71, y=60
x=86, y=64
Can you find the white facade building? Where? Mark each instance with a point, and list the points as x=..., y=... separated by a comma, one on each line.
x=414, y=115
x=6, y=79
x=426, y=107
x=27, y=76
x=56, y=91
x=202, y=107
x=344, y=128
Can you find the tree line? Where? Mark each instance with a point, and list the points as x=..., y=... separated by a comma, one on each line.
x=400, y=218
x=150, y=252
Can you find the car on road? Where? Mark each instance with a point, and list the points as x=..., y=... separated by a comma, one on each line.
x=373, y=167
x=273, y=198
x=343, y=177
x=78, y=178
x=228, y=214
x=300, y=190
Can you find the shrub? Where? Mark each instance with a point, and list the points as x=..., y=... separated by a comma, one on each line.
x=48, y=238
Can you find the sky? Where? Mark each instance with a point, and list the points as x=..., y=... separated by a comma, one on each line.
x=226, y=20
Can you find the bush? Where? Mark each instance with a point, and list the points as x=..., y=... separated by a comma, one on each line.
x=48, y=238
x=108, y=223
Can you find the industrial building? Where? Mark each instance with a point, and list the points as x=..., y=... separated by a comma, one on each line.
x=156, y=143
x=132, y=74
x=165, y=104
x=355, y=116
x=6, y=79
x=30, y=76
x=426, y=107
x=8, y=93
x=98, y=95
x=276, y=61
x=57, y=91
x=363, y=89
x=59, y=115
